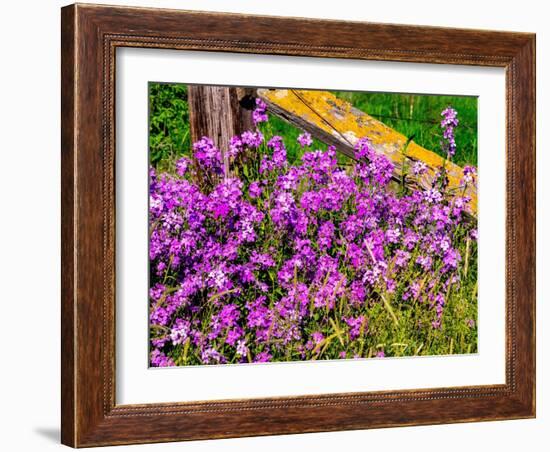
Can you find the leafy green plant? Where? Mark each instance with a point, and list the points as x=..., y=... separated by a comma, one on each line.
x=168, y=122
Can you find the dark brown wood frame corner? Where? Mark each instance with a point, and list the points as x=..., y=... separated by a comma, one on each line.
x=90, y=36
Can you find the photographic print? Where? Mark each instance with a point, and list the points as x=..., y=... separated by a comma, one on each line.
x=293, y=225
x=315, y=228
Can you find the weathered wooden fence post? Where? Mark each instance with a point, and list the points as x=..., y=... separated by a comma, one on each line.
x=217, y=112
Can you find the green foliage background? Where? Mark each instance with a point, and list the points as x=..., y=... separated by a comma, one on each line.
x=415, y=116
x=168, y=122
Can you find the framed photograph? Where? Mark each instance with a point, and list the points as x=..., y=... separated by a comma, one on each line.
x=281, y=225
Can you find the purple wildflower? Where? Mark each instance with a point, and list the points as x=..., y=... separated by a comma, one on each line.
x=419, y=168
x=469, y=175
x=357, y=326
x=159, y=359
x=252, y=139
x=304, y=139
x=255, y=189
x=207, y=154
x=181, y=166
x=317, y=337
x=448, y=124
x=180, y=331
x=259, y=113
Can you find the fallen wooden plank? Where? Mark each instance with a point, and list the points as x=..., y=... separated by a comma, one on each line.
x=337, y=122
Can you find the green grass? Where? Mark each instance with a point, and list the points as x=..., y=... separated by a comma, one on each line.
x=418, y=117
x=415, y=116
x=277, y=126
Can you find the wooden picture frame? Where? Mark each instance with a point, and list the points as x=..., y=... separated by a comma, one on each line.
x=90, y=36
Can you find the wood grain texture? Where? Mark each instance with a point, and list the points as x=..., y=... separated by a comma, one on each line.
x=90, y=36
x=216, y=112
x=68, y=245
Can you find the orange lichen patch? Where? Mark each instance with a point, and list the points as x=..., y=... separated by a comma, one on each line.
x=337, y=122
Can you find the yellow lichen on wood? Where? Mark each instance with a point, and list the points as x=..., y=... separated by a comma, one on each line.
x=337, y=122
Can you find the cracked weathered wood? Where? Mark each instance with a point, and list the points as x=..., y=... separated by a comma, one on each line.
x=337, y=122
x=216, y=112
